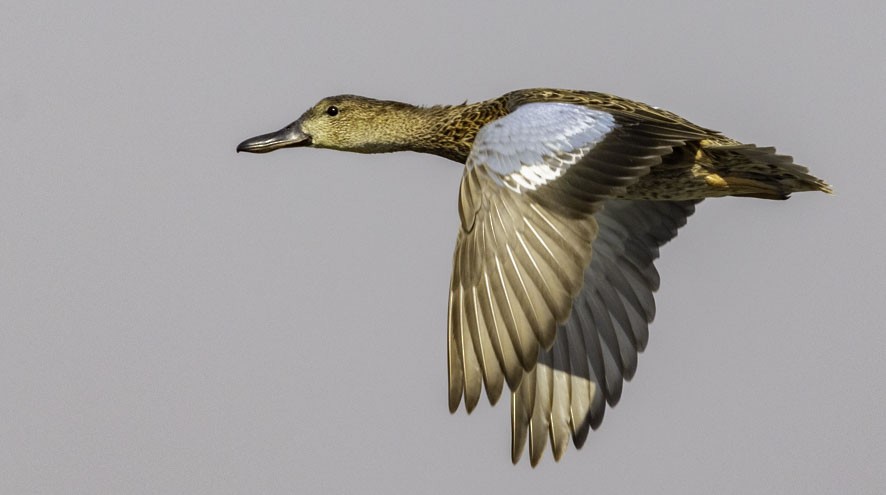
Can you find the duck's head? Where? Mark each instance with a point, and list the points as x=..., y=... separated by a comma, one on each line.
x=344, y=122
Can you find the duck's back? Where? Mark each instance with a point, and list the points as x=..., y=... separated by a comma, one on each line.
x=709, y=165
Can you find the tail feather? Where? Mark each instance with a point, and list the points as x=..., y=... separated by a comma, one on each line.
x=760, y=172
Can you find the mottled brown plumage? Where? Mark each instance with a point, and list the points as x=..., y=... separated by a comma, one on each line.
x=552, y=175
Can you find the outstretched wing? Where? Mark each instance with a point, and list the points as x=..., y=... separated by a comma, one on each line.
x=532, y=183
x=596, y=348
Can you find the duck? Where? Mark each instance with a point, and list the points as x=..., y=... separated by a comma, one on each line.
x=565, y=199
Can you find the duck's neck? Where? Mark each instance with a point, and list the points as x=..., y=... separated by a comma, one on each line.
x=446, y=131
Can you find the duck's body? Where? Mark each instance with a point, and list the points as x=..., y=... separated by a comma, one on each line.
x=552, y=175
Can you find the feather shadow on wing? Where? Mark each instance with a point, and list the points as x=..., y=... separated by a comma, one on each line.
x=596, y=348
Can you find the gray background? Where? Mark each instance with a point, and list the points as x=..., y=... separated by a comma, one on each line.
x=177, y=318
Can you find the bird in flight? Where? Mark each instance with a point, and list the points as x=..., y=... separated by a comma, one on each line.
x=565, y=200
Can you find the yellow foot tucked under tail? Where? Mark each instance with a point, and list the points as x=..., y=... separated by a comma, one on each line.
x=748, y=170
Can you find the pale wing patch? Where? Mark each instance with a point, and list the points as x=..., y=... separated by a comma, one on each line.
x=538, y=142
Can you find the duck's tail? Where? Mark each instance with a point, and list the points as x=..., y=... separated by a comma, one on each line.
x=752, y=171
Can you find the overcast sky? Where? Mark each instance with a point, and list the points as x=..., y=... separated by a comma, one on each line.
x=177, y=318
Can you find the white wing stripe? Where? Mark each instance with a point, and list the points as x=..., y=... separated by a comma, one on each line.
x=537, y=142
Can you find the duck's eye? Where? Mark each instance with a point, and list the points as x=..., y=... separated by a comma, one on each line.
x=332, y=111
